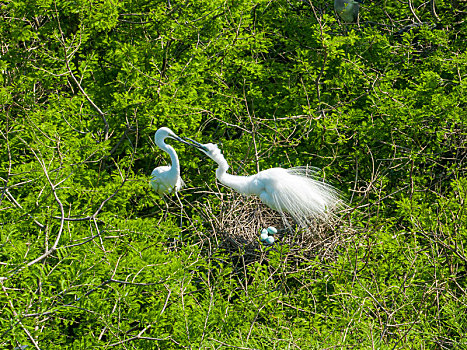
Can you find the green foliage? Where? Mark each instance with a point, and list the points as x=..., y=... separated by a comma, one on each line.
x=91, y=257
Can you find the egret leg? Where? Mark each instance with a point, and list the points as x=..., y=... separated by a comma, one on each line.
x=181, y=215
x=166, y=206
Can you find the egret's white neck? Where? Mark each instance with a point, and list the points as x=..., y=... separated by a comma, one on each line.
x=238, y=183
x=172, y=153
x=222, y=168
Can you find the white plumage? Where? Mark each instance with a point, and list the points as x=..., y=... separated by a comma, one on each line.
x=295, y=191
x=166, y=179
x=162, y=180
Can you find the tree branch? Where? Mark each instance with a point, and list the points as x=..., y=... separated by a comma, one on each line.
x=67, y=63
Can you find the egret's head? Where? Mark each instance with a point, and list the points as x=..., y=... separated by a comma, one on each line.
x=212, y=150
x=164, y=132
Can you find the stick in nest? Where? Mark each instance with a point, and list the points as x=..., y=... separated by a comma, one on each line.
x=238, y=221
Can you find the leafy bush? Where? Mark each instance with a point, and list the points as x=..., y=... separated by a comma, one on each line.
x=91, y=257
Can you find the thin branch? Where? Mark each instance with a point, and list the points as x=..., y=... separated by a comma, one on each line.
x=36, y=345
x=62, y=213
x=139, y=336
x=232, y=346
x=67, y=63
x=62, y=220
x=413, y=11
x=433, y=10
x=9, y=166
x=15, y=202
x=93, y=216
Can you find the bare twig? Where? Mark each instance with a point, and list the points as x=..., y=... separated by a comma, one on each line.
x=232, y=346
x=433, y=10
x=5, y=186
x=67, y=63
x=36, y=345
x=53, y=187
x=140, y=336
x=413, y=11
x=15, y=202
x=94, y=216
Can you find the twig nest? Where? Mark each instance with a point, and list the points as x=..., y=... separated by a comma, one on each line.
x=239, y=222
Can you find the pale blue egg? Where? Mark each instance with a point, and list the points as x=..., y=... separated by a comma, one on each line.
x=264, y=231
x=272, y=230
x=269, y=240
x=264, y=236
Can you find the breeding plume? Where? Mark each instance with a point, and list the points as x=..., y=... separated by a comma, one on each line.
x=166, y=179
x=295, y=191
x=347, y=9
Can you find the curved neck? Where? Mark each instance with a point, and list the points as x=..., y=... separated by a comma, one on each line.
x=222, y=168
x=173, y=156
x=237, y=183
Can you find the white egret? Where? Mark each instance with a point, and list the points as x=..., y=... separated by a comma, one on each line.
x=347, y=9
x=295, y=191
x=166, y=179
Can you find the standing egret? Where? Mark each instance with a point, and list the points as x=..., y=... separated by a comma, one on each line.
x=295, y=191
x=166, y=179
x=347, y=9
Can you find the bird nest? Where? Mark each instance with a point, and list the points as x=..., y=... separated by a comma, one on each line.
x=235, y=223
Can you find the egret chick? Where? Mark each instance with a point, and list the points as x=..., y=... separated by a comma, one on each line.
x=295, y=191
